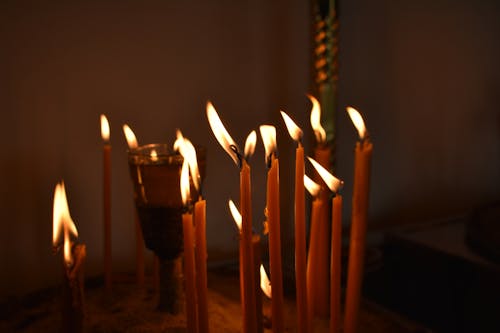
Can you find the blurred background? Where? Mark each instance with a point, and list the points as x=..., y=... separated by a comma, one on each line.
x=424, y=74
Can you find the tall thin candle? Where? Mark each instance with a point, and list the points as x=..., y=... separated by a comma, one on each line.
x=201, y=264
x=139, y=240
x=225, y=140
x=362, y=161
x=105, y=133
x=334, y=185
x=320, y=239
x=300, y=228
x=189, y=261
x=268, y=134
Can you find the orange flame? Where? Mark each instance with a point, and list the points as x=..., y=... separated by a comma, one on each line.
x=268, y=134
x=235, y=213
x=154, y=155
x=358, y=122
x=62, y=222
x=250, y=143
x=319, y=131
x=104, y=128
x=130, y=136
x=221, y=133
x=265, y=284
x=312, y=187
x=187, y=150
x=294, y=130
x=185, y=182
x=333, y=183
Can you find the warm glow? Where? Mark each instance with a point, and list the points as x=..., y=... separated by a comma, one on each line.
x=130, y=136
x=268, y=134
x=187, y=150
x=154, y=155
x=221, y=133
x=312, y=187
x=294, y=130
x=185, y=182
x=62, y=222
x=56, y=214
x=265, y=284
x=250, y=143
x=358, y=122
x=319, y=131
x=236, y=214
x=333, y=183
x=104, y=128
x=68, y=258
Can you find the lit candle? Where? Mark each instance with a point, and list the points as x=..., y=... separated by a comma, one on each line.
x=105, y=133
x=314, y=290
x=268, y=134
x=334, y=185
x=322, y=152
x=74, y=258
x=257, y=263
x=320, y=275
x=189, y=261
x=246, y=256
x=139, y=240
x=362, y=160
x=187, y=150
x=300, y=228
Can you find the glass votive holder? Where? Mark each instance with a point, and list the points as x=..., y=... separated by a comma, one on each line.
x=155, y=172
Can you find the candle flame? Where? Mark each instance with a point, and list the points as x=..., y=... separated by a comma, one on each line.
x=265, y=284
x=221, y=133
x=62, y=222
x=154, y=155
x=104, y=128
x=268, y=134
x=187, y=150
x=312, y=187
x=185, y=182
x=250, y=143
x=130, y=136
x=235, y=213
x=358, y=122
x=294, y=130
x=333, y=183
x=319, y=131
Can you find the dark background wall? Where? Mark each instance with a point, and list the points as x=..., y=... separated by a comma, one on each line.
x=424, y=74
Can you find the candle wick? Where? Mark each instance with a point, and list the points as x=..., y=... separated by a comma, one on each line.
x=365, y=139
x=238, y=155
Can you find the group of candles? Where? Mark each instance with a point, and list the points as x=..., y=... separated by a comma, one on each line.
x=309, y=291
x=309, y=267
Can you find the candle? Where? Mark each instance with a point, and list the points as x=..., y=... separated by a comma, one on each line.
x=318, y=206
x=335, y=264
x=268, y=134
x=334, y=185
x=257, y=263
x=189, y=260
x=300, y=228
x=74, y=258
x=201, y=264
x=362, y=160
x=246, y=256
x=320, y=275
x=105, y=133
x=139, y=240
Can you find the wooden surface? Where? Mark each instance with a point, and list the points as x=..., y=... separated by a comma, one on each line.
x=132, y=309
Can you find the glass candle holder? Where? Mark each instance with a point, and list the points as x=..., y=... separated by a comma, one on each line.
x=155, y=171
